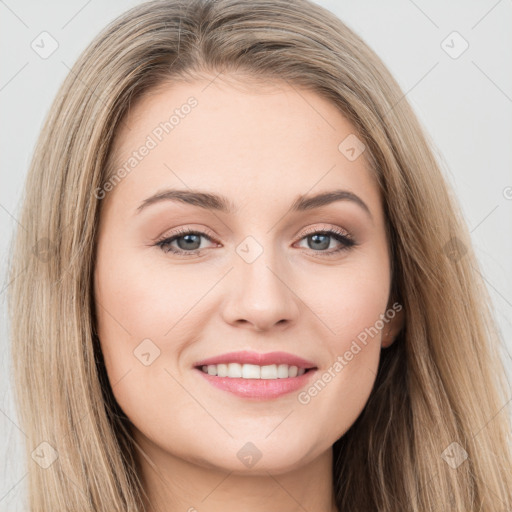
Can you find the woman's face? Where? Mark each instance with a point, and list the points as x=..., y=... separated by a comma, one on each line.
x=267, y=269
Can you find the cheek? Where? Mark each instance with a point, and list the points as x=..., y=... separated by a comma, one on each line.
x=353, y=313
x=142, y=313
x=137, y=300
x=350, y=300
x=143, y=328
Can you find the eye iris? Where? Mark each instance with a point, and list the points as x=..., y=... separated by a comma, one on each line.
x=190, y=239
x=322, y=244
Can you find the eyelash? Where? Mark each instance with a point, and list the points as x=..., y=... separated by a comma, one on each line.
x=345, y=240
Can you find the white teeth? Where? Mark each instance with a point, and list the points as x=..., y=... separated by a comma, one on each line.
x=222, y=370
x=269, y=372
x=282, y=371
x=253, y=371
x=234, y=370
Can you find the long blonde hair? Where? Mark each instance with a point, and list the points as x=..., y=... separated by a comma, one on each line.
x=440, y=387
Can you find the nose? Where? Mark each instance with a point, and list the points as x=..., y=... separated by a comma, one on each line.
x=260, y=296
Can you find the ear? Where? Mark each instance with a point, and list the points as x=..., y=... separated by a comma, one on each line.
x=392, y=328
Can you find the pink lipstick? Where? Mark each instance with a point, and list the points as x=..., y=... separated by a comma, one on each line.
x=257, y=376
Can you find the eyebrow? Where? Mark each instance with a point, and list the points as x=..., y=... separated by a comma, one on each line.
x=222, y=204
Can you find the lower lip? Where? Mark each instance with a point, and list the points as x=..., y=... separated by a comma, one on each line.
x=262, y=389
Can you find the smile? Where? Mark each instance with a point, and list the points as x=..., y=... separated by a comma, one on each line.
x=253, y=371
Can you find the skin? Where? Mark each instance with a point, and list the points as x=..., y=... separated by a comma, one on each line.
x=261, y=147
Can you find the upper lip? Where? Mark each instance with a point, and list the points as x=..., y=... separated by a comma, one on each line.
x=247, y=357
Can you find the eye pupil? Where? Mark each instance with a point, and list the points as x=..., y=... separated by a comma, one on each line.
x=190, y=238
x=322, y=244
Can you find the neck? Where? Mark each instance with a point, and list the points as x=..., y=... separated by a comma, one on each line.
x=173, y=484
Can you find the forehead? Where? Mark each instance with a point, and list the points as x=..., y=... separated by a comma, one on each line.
x=264, y=142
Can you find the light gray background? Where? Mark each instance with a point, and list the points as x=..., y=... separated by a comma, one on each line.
x=465, y=105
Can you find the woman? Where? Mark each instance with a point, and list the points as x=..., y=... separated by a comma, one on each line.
x=319, y=340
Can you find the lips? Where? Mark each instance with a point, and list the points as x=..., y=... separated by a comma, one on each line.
x=247, y=357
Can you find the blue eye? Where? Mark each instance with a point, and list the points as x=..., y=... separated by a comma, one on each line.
x=189, y=242
x=320, y=240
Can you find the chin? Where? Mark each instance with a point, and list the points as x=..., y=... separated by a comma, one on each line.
x=258, y=457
